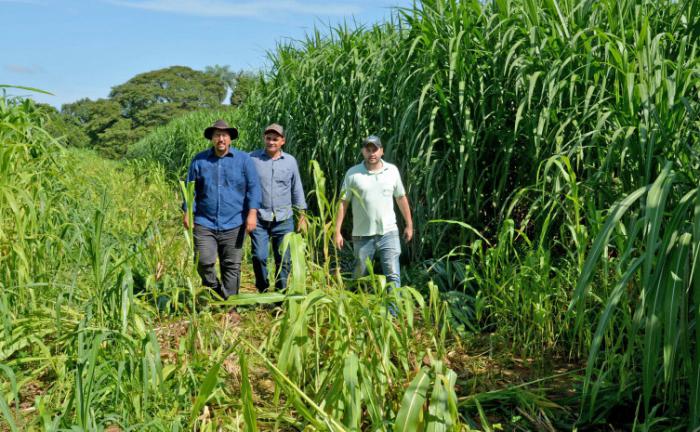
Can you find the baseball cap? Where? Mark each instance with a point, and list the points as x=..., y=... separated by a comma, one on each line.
x=276, y=128
x=372, y=139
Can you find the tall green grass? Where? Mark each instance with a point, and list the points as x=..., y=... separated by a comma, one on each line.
x=102, y=317
x=472, y=98
x=82, y=259
x=560, y=136
x=542, y=126
x=174, y=144
x=530, y=121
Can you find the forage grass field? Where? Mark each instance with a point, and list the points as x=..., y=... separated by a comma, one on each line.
x=106, y=327
x=550, y=153
x=549, y=148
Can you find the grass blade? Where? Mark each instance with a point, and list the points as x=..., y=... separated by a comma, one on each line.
x=410, y=414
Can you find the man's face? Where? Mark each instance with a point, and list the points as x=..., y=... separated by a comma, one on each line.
x=221, y=141
x=372, y=153
x=273, y=143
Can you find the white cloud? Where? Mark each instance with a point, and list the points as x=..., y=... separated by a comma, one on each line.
x=23, y=70
x=262, y=8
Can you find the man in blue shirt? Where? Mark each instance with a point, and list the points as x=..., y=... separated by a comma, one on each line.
x=227, y=195
x=281, y=193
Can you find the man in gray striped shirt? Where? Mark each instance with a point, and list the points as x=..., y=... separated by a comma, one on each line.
x=282, y=192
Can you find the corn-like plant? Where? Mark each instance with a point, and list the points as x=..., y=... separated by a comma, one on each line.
x=560, y=138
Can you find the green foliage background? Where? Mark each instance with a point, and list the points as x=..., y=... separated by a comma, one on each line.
x=472, y=100
x=138, y=106
x=562, y=137
x=104, y=324
x=173, y=145
x=550, y=150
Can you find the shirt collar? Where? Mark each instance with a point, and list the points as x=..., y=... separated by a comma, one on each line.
x=212, y=153
x=380, y=170
x=264, y=154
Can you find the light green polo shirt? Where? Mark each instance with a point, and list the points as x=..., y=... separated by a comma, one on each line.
x=371, y=195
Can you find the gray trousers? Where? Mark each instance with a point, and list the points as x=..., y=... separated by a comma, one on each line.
x=228, y=246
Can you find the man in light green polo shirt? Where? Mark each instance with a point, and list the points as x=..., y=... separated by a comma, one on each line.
x=371, y=188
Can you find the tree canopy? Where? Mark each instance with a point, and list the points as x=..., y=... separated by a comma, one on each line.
x=139, y=105
x=245, y=83
x=239, y=83
x=178, y=88
x=61, y=127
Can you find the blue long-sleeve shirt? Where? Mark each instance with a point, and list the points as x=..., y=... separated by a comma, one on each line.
x=281, y=186
x=225, y=188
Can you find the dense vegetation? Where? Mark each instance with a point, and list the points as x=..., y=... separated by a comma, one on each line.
x=560, y=138
x=104, y=324
x=563, y=137
x=240, y=84
x=148, y=100
x=174, y=144
x=476, y=103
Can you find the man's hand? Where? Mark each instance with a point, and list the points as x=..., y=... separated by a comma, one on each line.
x=185, y=221
x=302, y=225
x=342, y=209
x=251, y=221
x=408, y=233
x=402, y=202
x=339, y=240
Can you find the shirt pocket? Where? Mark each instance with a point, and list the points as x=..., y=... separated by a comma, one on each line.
x=387, y=190
x=205, y=184
x=233, y=179
x=282, y=177
x=200, y=186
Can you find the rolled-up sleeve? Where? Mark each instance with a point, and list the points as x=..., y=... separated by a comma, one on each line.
x=253, y=195
x=191, y=176
x=298, y=199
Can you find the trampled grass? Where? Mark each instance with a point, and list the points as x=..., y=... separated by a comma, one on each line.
x=558, y=137
x=565, y=132
x=105, y=324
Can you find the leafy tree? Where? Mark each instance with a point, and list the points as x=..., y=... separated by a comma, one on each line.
x=239, y=83
x=113, y=141
x=224, y=74
x=106, y=113
x=157, y=115
x=144, y=102
x=62, y=128
x=79, y=112
x=178, y=88
x=95, y=118
x=245, y=83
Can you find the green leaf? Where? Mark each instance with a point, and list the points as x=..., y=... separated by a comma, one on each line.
x=352, y=402
x=26, y=88
x=410, y=413
x=249, y=415
x=4, y=408
x=207, y=387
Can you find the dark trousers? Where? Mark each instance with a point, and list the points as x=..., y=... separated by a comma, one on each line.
x=260, y=239
x=228, y=246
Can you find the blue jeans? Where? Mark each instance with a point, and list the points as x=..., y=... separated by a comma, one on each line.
x=389, y=248
x=260, y=238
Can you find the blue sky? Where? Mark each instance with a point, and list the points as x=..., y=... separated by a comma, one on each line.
x=81, y=48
